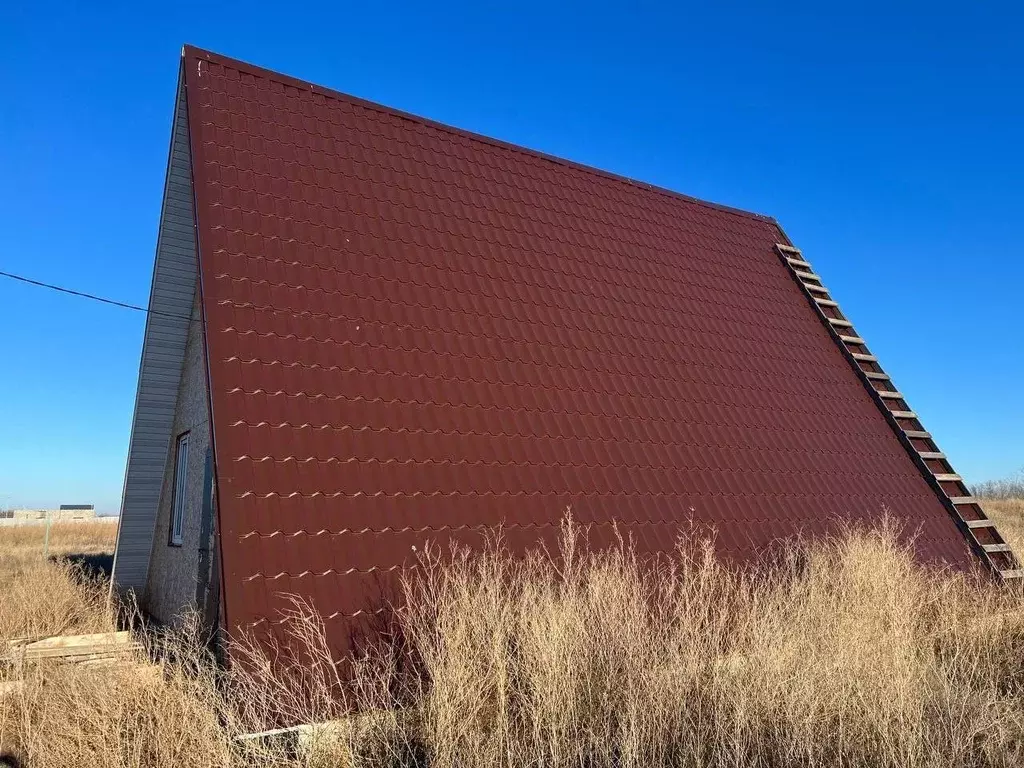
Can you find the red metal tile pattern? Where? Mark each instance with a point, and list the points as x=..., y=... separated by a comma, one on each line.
x=415, y=334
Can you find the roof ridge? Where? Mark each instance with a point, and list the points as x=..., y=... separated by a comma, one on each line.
x=201, y=53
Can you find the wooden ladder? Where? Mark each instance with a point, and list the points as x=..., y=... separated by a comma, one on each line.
x=965, y=509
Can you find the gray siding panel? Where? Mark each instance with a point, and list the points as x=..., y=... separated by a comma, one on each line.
x=174, y=570
x=163, y=354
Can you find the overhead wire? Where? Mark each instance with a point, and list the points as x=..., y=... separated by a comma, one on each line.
x=92, y=296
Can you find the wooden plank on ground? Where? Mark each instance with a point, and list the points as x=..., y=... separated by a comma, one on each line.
x=72, y=641
x=72, y=647
x=81, y=652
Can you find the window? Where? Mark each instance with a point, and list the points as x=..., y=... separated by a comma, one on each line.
x=179, y=492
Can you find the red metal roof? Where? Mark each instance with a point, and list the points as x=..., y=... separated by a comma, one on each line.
x=415, y=332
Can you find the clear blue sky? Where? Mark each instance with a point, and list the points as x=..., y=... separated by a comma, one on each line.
x=888, y=143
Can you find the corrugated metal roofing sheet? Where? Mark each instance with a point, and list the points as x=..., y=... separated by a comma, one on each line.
x=414, y=332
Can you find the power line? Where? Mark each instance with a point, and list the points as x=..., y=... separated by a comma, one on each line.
x=84, y=295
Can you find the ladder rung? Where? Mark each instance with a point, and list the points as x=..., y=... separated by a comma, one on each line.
x=996, y=547
x=798, y=263
x=877, y=376
x=825, y=302
x=1011, y=574
x=864, y=358
x=852, y=339
x=972, y=524
x=816, y=289
x=787, y=248
x=903, y=414
x=840, y=323
x=807, y=275
x=918, y=434
x=963, y=500
x=931, y=454
x=890, y=395
x=948, y=478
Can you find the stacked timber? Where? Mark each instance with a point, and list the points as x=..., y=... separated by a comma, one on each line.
x=89, y=650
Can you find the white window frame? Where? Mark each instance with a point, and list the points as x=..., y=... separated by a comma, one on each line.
x=180, y=491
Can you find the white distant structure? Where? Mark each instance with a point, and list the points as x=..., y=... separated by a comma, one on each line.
x=63, y=513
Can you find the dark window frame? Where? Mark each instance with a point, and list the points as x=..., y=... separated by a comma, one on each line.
x=179, y=491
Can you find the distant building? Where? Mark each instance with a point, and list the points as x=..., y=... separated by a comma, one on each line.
x=78, y=508
x=65, y=512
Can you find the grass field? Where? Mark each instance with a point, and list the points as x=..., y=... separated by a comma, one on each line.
x=848, y=654
x=1009, y=516
x=80, y=536
x=51, y=595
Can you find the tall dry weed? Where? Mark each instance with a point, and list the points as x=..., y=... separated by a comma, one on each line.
x=134, y=714
x=51, y=595
x=841, y=652
x=848, y=653
x=39, y=598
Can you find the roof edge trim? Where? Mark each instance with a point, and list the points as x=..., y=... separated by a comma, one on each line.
x=170, y=303
x=980, y=534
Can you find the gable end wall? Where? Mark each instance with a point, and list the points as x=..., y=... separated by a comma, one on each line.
x=163, y=351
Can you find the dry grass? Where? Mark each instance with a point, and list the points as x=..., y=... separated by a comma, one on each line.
x=845, y=653
x=50, y=595
x=1008, y=514
x=849, y=654
x=135, y=714
x=86, y=537
x=52, y=598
